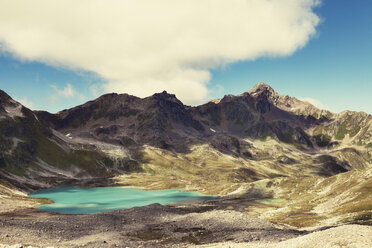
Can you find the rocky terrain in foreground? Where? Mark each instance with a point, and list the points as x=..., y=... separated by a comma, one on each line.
x=150, y=226
x=193, y=224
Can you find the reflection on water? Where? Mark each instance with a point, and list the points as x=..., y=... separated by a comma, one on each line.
x=74, y=200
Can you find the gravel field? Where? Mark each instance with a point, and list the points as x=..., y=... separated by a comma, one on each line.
x=348, y=236
x=150, y=226
x=193, y=224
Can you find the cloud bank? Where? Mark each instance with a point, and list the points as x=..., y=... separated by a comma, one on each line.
x=146, y=46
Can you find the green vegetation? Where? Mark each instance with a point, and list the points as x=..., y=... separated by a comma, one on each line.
x=318, y=131
x=33, y=143
x=262, y=138
x=93, y=162
x=314, y=199
x=204, y=169
x=342, y=131
x=340, y=135
x=345, y=128
x=16, y=158
x=354, y=131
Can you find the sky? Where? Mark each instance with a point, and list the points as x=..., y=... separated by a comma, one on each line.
x=58, y=54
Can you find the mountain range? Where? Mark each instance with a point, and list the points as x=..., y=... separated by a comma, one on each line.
x=291, y=159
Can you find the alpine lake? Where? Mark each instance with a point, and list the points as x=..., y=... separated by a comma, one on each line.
x=71, y=199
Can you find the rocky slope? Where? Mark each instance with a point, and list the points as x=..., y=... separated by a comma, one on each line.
x=351, y=236
x=259, y=146
x=163, y=121
x=33, y=155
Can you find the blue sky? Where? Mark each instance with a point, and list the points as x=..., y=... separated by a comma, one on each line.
x=333, y=70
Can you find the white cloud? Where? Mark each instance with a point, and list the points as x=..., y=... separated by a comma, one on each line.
x=315, y=102
x=25, y=102
x=95, y=90
x=66, y=92
x=146, y=46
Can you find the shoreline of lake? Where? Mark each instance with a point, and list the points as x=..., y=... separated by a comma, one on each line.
x=74, y=199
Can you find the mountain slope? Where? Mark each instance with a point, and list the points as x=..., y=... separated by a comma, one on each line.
x=224, y=147
x=33, y=155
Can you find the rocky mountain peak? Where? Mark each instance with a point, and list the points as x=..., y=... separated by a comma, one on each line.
x=165, y=96
x=4, y=97
x=7, y=101
x=261, y=88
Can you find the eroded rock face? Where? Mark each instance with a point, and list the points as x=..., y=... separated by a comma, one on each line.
x=163, y=121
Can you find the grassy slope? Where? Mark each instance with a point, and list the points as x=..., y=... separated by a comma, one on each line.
x=265, y=187
x=204, y=169
x=318, y=201
x=33, y=152
x=347, y=127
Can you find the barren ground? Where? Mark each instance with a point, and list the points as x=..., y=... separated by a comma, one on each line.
x=192, y=224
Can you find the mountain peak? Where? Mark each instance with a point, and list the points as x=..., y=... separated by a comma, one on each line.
x=6, y=100
x=165, y=96
x=4, y=96
x=261, y=87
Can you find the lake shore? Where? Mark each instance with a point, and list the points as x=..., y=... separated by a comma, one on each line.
x=150, y=226
x=221, y=222
x=72, y=199
x=188, y=224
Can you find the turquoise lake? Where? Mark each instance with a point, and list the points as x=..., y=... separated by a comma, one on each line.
x=74, y=200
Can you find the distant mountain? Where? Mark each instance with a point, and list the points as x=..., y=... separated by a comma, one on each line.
x=163, y=121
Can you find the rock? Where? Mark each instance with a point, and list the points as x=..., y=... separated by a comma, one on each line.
x=17, y=246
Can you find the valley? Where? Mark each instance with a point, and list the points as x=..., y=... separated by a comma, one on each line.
x=281, y=167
